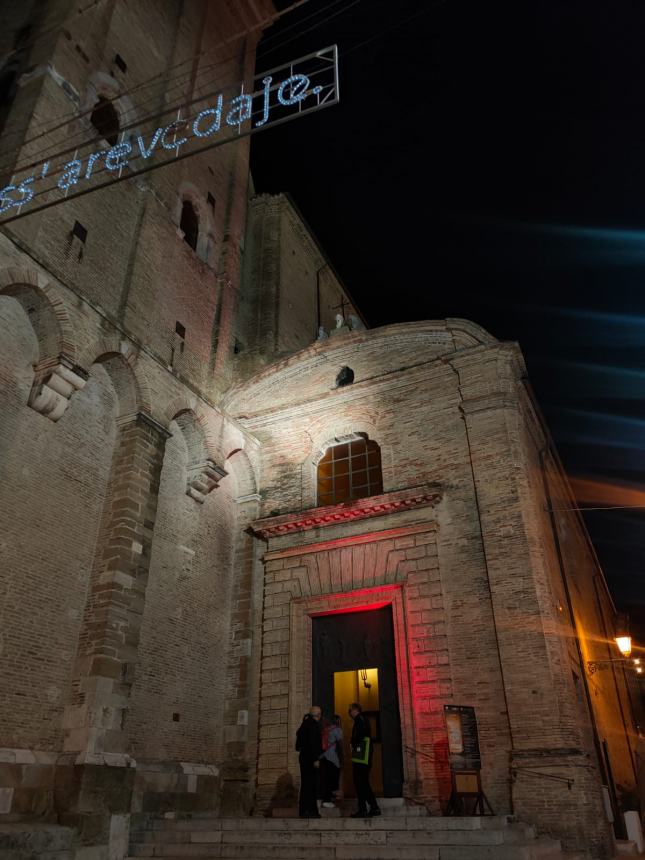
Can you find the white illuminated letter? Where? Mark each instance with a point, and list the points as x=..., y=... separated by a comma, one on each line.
x=27, y=193
x=267, y=92
x=177, y=143
x=91, y=160
x=146, y=153
x=298, y=89
x=5, y=201
x=214, y=126
x=114, y=156
x=240, y=110
x=71, y=172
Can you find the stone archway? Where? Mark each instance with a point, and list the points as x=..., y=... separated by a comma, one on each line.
x=56, y=372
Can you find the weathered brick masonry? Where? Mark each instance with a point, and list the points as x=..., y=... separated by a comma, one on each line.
x=163, y=413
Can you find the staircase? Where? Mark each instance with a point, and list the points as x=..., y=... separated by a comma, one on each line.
x=401, y=833
x=30, y=840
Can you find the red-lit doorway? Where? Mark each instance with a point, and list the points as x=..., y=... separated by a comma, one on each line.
x=354, y=660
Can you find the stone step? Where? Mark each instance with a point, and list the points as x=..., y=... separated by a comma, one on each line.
x=142, y=839
x=385, y=822
x=540, y=850
x=23, y=854
x=393, y=812
x=26, y=840
x=388, y=837
x=453, y=845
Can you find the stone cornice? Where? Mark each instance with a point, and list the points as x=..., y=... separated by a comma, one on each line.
x=449, y=337
x=357, y=509
x=496, y=400
x=351, y=540
x=410, y=377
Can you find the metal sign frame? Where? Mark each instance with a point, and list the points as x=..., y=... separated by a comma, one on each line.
x=312, y=84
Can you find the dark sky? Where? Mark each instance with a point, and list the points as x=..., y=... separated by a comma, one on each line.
x=487, y=161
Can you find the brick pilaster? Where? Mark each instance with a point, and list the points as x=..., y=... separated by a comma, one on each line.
x=556, y=782
x=96, y=716
x=240, y=714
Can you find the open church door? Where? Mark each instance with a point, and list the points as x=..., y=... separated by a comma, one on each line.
x=354, y=661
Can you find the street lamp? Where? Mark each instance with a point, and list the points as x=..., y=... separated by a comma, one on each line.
x=623, y=640
x=622, y=635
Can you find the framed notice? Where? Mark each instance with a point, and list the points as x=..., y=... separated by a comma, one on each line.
x=467, y=797
x=463, y=739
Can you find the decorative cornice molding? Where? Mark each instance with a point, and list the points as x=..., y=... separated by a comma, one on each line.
x=143, y=418
x=399, y=380
x=54, y=383
x=203, y=478
x=495, y=400
x=351, y=540
x=357, y=509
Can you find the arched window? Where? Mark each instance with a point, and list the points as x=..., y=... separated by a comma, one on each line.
x=189, y=224
x=350, y=470
x=105, y=120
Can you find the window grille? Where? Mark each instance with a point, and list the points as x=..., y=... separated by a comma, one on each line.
x=350, y=470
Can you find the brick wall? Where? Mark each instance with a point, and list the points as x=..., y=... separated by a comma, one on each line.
x=287, y=283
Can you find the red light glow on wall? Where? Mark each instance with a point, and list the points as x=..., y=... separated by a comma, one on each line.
x=362, y=607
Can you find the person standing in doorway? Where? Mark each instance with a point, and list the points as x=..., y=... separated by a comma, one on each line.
x=309, y=745
x=332, y=760
x=361, y=744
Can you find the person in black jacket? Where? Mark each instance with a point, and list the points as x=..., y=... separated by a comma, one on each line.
x=361, y=770
x=309, y=745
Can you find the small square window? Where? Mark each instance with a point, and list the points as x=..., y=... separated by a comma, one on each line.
x=210, y=200
x=359, y=478
x=325, y=470
x=79, y=231
x=341, y=467
x=359, y=461
x=341, y=485
x=340, y=452
x=350, y=470
x=120, y=62
x=180, y=330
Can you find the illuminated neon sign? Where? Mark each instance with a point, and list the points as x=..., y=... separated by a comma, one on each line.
x=276, y=96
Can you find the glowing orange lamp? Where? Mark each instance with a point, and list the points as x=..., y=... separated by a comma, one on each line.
x=622, y=635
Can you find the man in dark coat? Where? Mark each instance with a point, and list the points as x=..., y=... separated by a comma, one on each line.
x=309, y=745
x=361, y=763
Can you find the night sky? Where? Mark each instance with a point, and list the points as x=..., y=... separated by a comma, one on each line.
x=487, y=161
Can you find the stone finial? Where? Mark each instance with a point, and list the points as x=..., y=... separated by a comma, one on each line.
x=54, y=385
x=355, y=323
x=203, y=478
x=342, y=326
x=322, y=334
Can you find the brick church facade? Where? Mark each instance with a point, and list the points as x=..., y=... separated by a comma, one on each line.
x=194, y=475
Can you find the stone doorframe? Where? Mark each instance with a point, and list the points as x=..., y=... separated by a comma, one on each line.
x=303, y=610
x=377, y=551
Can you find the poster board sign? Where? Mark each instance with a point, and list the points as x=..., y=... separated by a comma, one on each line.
x=463, y=738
